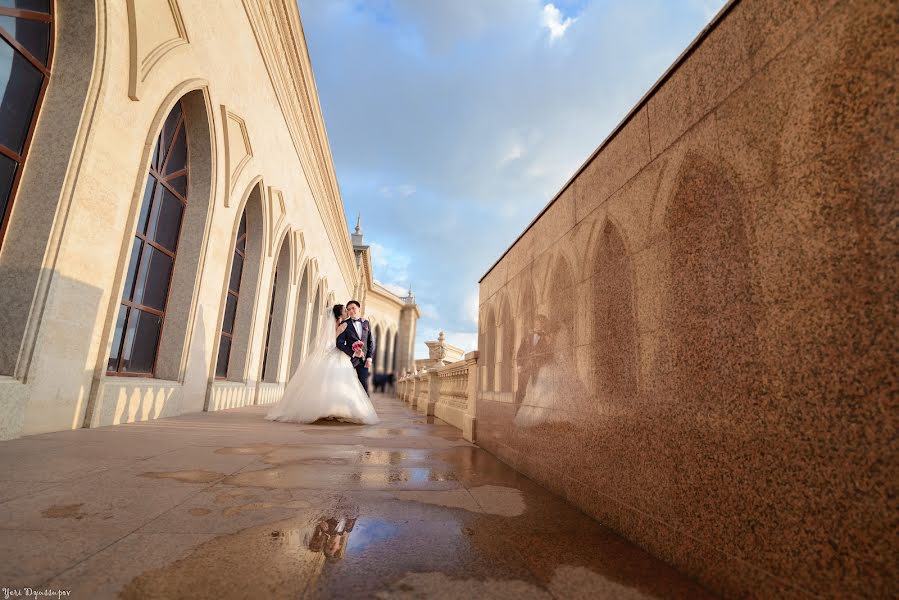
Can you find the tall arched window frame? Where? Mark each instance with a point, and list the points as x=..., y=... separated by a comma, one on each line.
x=237, y=263
x=26, y=51
x=141, y=315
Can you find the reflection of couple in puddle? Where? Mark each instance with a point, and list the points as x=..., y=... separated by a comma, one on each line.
x=547, y=378
x=330, y=537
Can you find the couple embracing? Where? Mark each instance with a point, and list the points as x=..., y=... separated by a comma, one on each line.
x=332, y=381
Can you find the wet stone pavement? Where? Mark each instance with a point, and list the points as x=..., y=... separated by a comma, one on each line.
x=229, y=505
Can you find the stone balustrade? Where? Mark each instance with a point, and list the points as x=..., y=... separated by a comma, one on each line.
x=448, y=392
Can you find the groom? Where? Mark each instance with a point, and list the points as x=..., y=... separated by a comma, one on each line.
x=357, y=330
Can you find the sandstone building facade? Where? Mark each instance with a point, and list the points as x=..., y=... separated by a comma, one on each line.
x=172, y=231
x=695, y=340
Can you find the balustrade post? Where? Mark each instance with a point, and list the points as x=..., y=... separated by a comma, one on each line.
x=469, y=420
x=430, y=393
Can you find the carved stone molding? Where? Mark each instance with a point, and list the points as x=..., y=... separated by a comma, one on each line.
x=156, y=27
x=299, y=249
x=279, y=35
x=274, y=217
x=238, y=150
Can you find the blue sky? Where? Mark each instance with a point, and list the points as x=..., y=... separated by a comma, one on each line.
x=453, y=122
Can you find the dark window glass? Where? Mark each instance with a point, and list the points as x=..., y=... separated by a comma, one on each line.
x=132, y=268
x=179, y=184
x=221, y=367
x=230, y=314
x=268, y=328
x=37, y=5
x=141, y=341
x=236, y=272
x=34, y=36
x=21, y=83
x=145, y=205
x=113, y=363
x=7, y=174
x=168, y=133
x=19, y=97
x=165, y=219
x=152, y=285
x=177, y=158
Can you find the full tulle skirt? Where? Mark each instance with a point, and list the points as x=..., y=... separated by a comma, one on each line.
x=325, y=386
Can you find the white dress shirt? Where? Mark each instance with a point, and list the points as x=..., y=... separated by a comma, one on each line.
x=357, y=325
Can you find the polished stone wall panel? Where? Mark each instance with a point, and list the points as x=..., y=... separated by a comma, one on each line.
x=704, y=358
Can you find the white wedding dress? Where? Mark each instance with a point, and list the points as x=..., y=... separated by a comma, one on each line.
x=325, y=385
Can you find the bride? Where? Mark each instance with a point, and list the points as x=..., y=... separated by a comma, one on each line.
x=325, y=385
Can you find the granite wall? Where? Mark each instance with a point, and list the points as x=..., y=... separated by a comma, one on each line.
x=695, y=342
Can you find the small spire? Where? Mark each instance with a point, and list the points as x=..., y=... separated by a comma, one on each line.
x=357, y=235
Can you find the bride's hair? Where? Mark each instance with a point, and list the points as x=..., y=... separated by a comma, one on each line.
x=338, y=311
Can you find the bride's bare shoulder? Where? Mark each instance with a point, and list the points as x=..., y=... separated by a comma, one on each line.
x=340, y=328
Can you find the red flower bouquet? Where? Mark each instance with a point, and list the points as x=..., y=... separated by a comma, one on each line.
x=357, y=348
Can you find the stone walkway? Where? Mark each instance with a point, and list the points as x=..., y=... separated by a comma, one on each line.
x=228, y=505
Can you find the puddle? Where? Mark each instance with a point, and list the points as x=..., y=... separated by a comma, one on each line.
x=251, y=449
x=233, y=511
x=393, y=457
x=343, y=478
x=266, y=561
x=330, y=536
x=488, y=499
x=439, y=585
x=195, y=476
x=64, y=511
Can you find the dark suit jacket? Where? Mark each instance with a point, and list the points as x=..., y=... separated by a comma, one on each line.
x=346, y=340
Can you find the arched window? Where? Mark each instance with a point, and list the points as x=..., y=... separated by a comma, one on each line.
x=274, y=337
x=237, y=262
x=144, y=299
x=26, y=49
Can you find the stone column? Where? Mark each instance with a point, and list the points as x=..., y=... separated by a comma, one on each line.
x=409, y=315
x=469, y=421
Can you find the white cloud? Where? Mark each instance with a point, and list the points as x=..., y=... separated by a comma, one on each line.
x=429, y=311
x=514, y=153
x=553, y=21
x=397, y=191
x=471, y=307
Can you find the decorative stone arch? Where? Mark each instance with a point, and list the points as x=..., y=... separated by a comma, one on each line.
x=250, y=282
x=316, y=313
x=557, y=301
x=273, y=369
x=184, y=282
x=709, y=313
x=181, y=305
x=47, y=185
x=301, y=331
x=613, y=314
x=487, y=360
x=505, y=343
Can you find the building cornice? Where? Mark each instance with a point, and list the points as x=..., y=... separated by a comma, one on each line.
x=279, y=35
x=382, y=292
